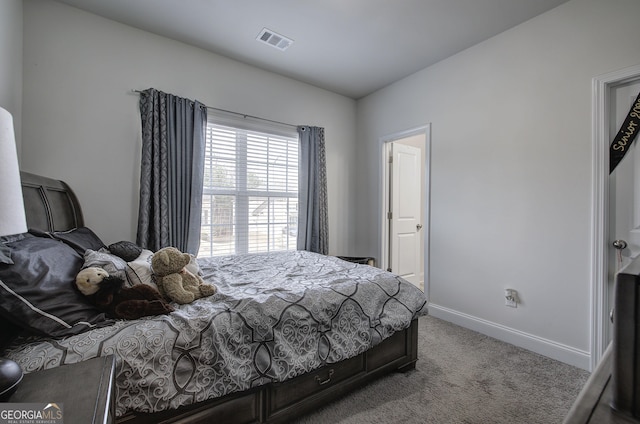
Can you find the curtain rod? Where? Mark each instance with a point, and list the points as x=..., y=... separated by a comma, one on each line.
x=244, y=115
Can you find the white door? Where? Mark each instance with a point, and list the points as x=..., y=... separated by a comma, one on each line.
x=405, y=220
x=624, y=191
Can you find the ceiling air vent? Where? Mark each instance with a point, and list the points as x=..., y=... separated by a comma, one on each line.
x=273, y=39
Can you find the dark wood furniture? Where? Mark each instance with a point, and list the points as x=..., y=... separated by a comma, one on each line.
x=52, y=206
x=612, y=393
x=84, y=389
x=593, y=405
x=625, y=344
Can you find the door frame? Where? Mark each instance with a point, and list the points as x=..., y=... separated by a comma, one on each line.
x=601, y=87
x=385, y=148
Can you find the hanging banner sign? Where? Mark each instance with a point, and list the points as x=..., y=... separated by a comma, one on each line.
x=627, y=133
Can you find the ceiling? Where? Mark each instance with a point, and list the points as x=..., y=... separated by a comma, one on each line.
x=351, y=47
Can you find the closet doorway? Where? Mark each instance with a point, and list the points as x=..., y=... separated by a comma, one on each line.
x=405, y=220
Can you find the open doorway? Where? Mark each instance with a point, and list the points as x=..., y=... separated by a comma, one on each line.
x=616, y=200
x=405, y=220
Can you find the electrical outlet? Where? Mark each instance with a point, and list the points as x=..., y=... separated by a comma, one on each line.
x=511, y=298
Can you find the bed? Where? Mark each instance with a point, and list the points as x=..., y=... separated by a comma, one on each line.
x=285, y=333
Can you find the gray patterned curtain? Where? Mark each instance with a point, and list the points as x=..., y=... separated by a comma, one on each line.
x=172, y=169
x=313, y=222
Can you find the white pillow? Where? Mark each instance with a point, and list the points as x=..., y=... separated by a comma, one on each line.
x=193, y=266
x=139, y=270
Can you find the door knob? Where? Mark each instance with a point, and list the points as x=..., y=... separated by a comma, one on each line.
x=620, y=244
x=419, y=227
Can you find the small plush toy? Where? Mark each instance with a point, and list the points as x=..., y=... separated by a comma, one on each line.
x=174, y=281
x=107, y=293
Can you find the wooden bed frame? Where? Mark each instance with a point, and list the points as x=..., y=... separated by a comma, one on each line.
x=51, y=205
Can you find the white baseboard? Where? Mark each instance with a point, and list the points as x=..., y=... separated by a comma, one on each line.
x=558, y=351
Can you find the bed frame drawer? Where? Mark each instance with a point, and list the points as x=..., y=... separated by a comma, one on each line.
x=307, y=392
x=308, y=385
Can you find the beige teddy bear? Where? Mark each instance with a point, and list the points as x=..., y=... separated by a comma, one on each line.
x=174, y=281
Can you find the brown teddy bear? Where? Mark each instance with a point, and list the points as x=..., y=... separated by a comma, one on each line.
x=107, y=293
x=174, y=281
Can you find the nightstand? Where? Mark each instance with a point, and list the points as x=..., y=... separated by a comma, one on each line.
x=85, y=389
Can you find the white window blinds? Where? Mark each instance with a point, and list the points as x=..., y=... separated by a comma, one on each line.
x=250, y=194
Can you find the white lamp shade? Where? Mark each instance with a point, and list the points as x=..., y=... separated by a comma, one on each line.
x=12, y=216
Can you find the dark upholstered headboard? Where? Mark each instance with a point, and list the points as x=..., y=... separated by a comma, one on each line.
x=50, y=204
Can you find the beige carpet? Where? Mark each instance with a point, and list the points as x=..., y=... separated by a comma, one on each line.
x=462, y=377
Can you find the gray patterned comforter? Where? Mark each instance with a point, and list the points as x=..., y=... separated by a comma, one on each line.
x=275, y=316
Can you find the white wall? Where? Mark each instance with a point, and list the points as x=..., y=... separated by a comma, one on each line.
x=510, y=171
x=11, y=63
x=81, y=122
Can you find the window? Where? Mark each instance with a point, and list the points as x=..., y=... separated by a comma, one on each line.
x=250, y=193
